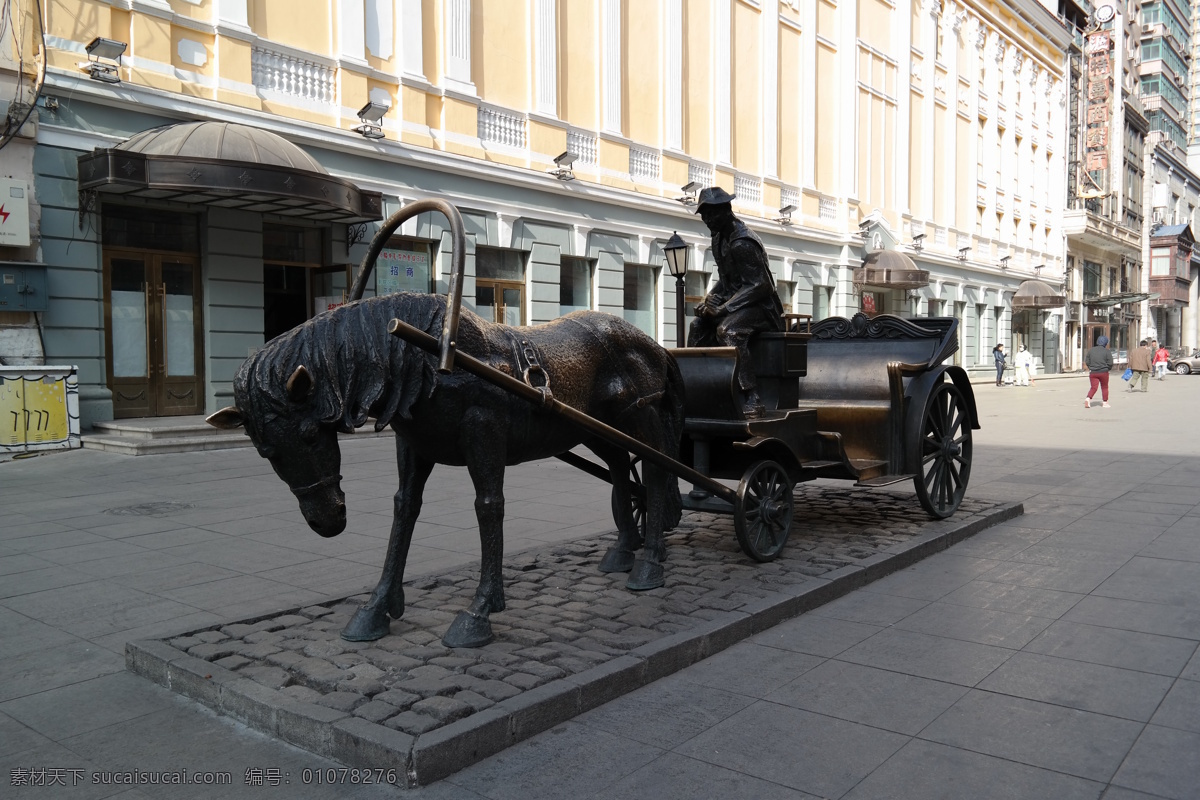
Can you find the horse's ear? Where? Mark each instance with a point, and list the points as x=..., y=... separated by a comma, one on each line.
x=300, y=385
x=226, y=419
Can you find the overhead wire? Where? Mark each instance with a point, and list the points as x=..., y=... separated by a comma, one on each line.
x=11, y=126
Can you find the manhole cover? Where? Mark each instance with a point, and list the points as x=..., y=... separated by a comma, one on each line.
x=149, y=509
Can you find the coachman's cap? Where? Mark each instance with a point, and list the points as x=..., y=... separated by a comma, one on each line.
x=711, y=196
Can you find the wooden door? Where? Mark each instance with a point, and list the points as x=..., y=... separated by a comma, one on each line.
x=153, y=343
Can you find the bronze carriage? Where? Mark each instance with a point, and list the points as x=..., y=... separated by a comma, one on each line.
x=867, y=399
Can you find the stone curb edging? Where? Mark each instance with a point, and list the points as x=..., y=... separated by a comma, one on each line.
x=439, y=753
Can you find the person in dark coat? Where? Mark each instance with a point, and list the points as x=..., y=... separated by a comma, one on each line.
x=999, y=357
x=744, y=299
x=1099, y=362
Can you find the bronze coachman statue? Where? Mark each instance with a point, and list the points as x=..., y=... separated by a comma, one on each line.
x=744, y=300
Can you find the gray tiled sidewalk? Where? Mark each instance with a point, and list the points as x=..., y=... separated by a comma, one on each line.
x=1053, y=656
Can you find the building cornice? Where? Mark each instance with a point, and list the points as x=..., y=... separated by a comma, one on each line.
x=144, y=100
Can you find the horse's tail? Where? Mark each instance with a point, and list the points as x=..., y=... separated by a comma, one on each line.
x=672, y=405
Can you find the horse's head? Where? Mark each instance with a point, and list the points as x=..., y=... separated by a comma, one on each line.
x=302, y=451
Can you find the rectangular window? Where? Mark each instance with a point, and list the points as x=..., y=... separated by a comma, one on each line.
x=820, y=302
x=149, y=228
x=873, y=303
x=640, y=297
x=787, y=293
x=575, y=285
x=404, y=266
x=695, y=287
x=982, y=348
x=500, y=285
x=1091, y=279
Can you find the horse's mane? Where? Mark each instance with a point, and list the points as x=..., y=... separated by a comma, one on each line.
x=356, y=364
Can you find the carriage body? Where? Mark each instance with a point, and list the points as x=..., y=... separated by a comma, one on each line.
x=863, y=399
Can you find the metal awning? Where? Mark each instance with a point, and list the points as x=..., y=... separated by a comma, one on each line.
x=890, y=269
x=228, y=165
x=1035, y=295
x=1120, y=298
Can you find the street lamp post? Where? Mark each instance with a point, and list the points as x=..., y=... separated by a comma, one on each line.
x=676, y=251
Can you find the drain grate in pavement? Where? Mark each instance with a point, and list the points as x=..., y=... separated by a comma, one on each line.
x=570, y=638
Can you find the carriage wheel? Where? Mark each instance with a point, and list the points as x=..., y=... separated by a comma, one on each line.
x=940, y=452
x=763, y=517
x=637, y=498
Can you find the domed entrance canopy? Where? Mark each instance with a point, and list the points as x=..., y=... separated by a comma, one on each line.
x=891, y=269
x=228, y=165
x=1035, y=295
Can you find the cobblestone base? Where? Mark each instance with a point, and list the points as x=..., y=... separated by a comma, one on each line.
x=570, y=639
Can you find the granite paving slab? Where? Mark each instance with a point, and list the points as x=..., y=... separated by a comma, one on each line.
x=570, y=639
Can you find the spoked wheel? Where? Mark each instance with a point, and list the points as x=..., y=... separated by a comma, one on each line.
x=637, y=498
x=1182, y=369
x=940, y=452
x=763, y=517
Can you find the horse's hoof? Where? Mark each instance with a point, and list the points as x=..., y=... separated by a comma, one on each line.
x=645, y=575
x=617, y=560
x=468, y=630
x=367, y=625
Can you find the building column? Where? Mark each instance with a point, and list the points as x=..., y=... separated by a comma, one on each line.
x=1189, y=335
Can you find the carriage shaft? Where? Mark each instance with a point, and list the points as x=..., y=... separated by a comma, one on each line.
x=610, y=434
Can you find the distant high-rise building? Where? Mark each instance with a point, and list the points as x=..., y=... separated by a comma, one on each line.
x=1131, y=195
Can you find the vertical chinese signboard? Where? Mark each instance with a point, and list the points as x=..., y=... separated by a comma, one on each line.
x=1099, y=90
x=39, y=408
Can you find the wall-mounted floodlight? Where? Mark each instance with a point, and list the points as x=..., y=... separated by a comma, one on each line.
x=562, y=166
x=690, y=189
x=785, y=214
x=371, y=117
x=110, y=51
x=918, y=241
x=962, y=252
x=1004, y=262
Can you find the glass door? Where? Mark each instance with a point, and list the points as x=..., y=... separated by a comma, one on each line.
x=154, y=336
x=330, y=287
x=500, y=301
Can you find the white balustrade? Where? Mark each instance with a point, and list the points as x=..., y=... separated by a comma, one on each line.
x=582, y=146
x=276, y=71
x=644, y=164
x=502, y=127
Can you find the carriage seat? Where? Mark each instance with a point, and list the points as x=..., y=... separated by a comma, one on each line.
x=856, y=384
x=779, y=361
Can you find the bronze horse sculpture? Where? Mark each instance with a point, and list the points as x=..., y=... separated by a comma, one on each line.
x=340, y=368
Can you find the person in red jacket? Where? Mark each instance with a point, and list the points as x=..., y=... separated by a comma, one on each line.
x=1161, y=357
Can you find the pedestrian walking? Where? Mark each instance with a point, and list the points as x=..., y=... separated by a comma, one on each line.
x=1024, y=362
x=1139, y=361
x=1161, y=357
x=1099, y=363
x=999, y=357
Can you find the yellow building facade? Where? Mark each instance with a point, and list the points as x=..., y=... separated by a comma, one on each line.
x=574, y=135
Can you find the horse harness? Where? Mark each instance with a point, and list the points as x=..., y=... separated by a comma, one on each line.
x=312, y=487
x=530, y=367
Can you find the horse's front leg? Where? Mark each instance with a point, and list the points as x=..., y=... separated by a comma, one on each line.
x=485, y=462
x=370, y=622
